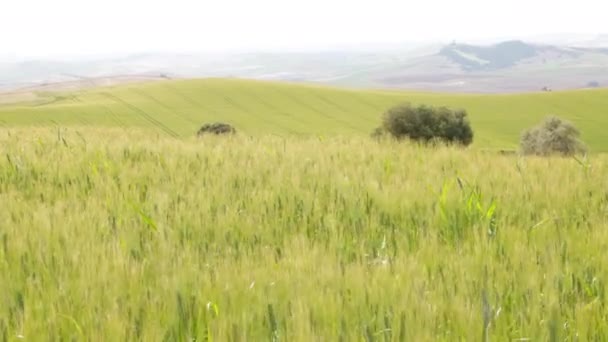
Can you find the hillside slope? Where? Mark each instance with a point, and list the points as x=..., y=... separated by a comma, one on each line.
x=179, y=108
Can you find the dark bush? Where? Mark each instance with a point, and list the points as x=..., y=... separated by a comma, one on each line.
x=553, y=136
x=427, y=124
x=216, y=128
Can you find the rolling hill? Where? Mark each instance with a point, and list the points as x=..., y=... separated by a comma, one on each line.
x=179, y=108
x=480, y=67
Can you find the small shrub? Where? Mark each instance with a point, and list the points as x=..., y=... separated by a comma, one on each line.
x=553, y=136
x=216, y=128
x=427, y=124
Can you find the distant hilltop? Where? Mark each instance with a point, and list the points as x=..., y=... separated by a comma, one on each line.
x=510, y=53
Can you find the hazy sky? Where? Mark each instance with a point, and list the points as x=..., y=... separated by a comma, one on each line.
x=53, y=27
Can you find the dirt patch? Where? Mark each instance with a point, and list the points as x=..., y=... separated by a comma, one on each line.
x=17, y=97
x=31, y=92
x=91, y=83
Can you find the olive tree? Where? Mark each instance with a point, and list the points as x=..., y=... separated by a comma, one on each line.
x=553, y=136
x=427, y=124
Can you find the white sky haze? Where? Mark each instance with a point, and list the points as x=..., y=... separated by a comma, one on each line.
x=60, y=27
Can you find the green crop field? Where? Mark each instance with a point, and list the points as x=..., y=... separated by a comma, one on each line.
x=115, y=235
x=118, y=224
x=179, y=108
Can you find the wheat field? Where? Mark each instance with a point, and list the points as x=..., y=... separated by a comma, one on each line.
x=179, y=108
x=114, y=235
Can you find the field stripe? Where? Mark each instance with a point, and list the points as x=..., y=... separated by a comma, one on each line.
x=293, y=98
x=249, y=113
x=143, y=114
x=161, y=104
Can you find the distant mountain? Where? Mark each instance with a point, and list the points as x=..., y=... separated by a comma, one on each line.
x=510, y=66
x=509, y=54
x=507, y=66
x=499, y=56
x=321, y=66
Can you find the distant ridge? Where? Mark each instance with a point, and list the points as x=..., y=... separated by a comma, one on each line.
x=499, y=56
x=496, y=67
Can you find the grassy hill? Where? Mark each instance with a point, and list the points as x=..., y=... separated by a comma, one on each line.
x=179, y=108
